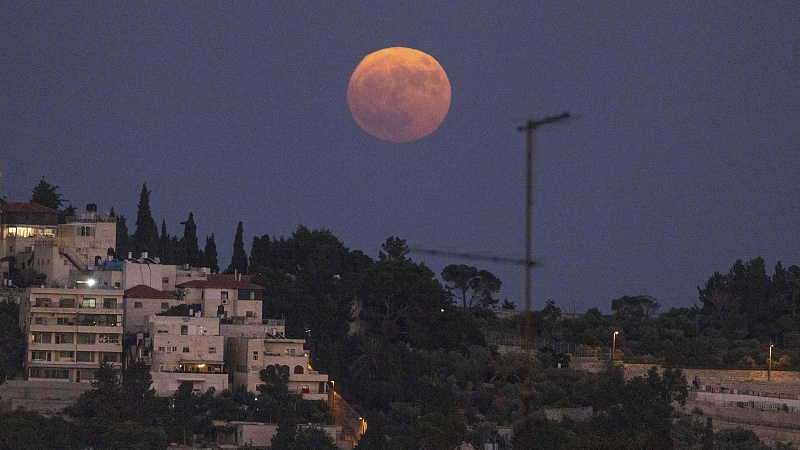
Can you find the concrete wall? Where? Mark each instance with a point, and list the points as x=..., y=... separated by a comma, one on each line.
x=46, y=397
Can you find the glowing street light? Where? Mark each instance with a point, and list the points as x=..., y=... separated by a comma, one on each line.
x=769, y=367
x=614, y=346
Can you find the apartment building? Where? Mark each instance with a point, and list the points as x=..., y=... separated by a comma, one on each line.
x=183, y=348
x=70, y=331
x=32, y=238
x=225, y=297
x=143, y=301
x=251, y=348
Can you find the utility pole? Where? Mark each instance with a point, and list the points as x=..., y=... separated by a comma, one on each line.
x=527, y=395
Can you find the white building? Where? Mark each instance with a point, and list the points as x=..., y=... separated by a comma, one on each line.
x=70, y=331
x=185, y=349
x=143, y=301
x=251, y=348
x=225, y=297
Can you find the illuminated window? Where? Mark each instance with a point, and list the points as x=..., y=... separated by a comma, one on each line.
x=88, y=303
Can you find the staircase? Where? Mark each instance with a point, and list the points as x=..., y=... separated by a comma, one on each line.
x=353, y=425
x=79, y=262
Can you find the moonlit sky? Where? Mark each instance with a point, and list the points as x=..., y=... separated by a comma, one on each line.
x=684, y=156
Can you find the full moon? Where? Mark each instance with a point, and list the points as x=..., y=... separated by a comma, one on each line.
x=399, y=94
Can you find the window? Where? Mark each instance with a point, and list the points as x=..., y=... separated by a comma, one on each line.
x=298, y=370
x=65, y=355
x=40, y=337
x=185, y=349
x=223, y=295
x=86, y=338
x=306, y=389
x=42, y=302
x=165, y=280
x=255, y=356
x=65, y=338
x=67, y=303
x=87, y=231
x=137, y=305
x=65, y=321
x=108, y=338
x=184, y=329
x=40, y=321
x=250, y=314
x=291, y=352
x=38, y=356
x=164, y=305
x=212, y=350
x=110, y=357
x=88, y=303
x=163, y=329
x=85, y=357
x=110, y=303
x=162, y=349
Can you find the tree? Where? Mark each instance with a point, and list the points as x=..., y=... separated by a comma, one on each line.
x=137, y=394
x=471, y=287
x=210, y=254
x=190, y=251
x=635, y=307
x=145, y=238
x=122, y=238
x=239, y=257
x=165, y=249
x=393, y=248
x=47, y=194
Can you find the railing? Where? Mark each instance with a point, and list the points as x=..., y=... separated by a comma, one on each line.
x=73, y=258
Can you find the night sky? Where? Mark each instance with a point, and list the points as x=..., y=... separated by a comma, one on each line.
x=683, y=157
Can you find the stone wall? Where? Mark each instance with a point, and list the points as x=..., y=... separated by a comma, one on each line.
x=46, y=397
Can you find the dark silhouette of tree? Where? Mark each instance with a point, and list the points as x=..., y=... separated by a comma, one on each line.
x=164, y=247
x=190, y=251
x=145, y=238
x=210, y=254
x=239, y=257
x=47, y=194
x=635, y=307
x=471, y=287
x=393, y=248
x=123, y=240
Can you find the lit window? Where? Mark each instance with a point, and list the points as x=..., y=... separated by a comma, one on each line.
x=88, y=303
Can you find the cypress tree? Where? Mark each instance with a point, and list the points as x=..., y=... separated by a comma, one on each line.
x=211, y=254
x=145, y=238
x=189, y=249
x=239, y=257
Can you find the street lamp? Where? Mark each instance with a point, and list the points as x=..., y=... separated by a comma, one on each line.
x=769, y=367
x=614, y=346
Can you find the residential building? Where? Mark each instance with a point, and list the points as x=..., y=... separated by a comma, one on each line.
x=142, y=301
x=183, y=348
x=33, y=238
x=225, y=297
x=70, y=331
x=251, y=348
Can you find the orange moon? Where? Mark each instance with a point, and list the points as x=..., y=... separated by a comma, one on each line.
x=399, y=94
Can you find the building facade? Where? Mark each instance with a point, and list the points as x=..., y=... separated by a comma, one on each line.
x=70, y=331
x=183, y=348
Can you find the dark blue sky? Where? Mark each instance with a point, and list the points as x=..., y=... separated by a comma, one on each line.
x=684, y=156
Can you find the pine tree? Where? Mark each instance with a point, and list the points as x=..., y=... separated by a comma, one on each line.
x=239, y=258
x=145, y=238
x=47, y=194
x=189, y=248
x=211, y=254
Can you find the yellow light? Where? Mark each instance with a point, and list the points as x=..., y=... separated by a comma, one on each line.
x=201, y=366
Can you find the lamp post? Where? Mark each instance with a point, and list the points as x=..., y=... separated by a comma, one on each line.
x=614, y=346
x=769, y=367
